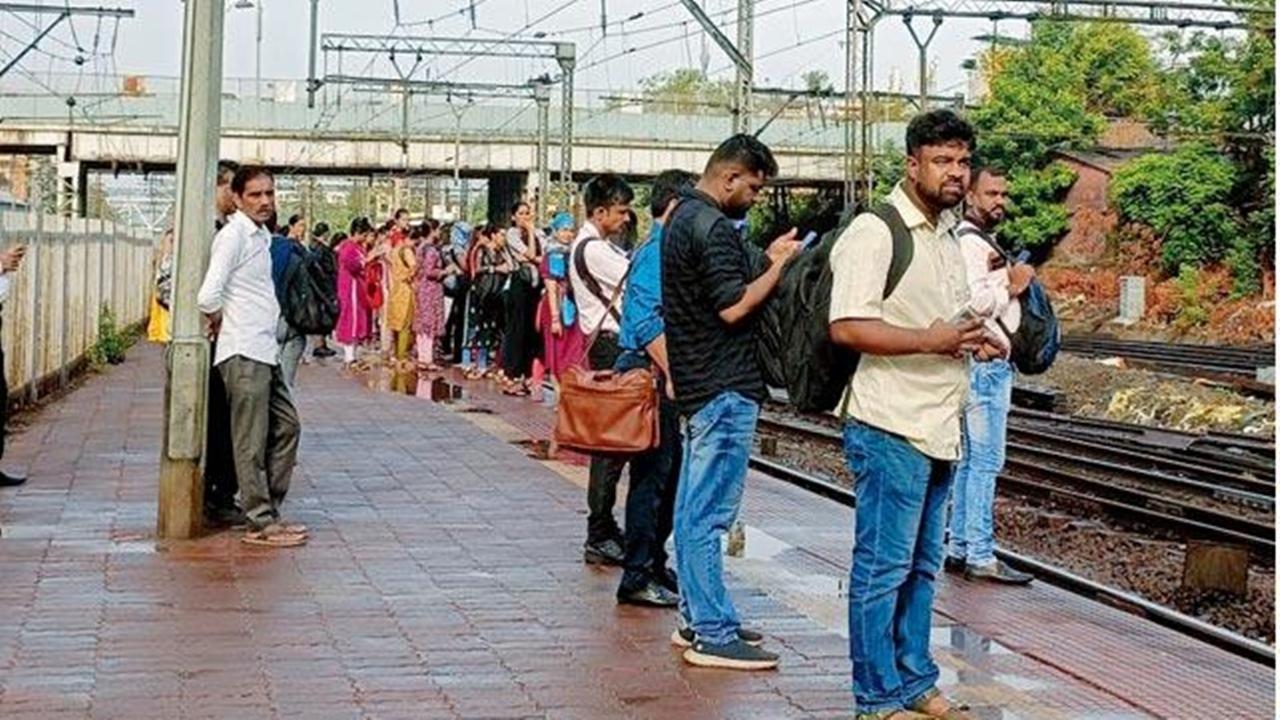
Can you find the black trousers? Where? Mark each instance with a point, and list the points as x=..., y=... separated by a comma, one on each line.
x=4, y=403
x=453, y=325
x=219, y=463
x=651, y=500
x=519, y=337
x=605, y=470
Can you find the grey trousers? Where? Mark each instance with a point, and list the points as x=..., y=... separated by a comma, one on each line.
x=291, y=351
x=264, y=436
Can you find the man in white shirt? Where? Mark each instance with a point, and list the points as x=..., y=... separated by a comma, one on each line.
x=239, y=303
x=994, y=287
x=597, y=269
x=10, y=260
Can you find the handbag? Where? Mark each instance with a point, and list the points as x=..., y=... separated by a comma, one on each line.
x=603, y=411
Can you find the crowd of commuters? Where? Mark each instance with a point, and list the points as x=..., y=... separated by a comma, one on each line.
x=518, y=303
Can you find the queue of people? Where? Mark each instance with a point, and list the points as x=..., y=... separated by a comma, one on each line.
x=515, y=302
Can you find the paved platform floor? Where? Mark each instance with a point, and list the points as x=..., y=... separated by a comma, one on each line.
x=444, y=580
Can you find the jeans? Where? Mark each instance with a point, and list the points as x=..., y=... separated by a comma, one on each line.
x=264, y=436
x=717, y=446
x=605, y=470
x=902, y=499
x=655, y=475
x=986, y=416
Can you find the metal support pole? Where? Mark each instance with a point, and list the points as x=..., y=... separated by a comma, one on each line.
x=868, y=37
x=312, y=83
x=404, y=126
x=566, y=56
x=542, y=96
x=923, y=48
x=744, y=73
x=32, y=271
x=852, y=121
x=199, y=127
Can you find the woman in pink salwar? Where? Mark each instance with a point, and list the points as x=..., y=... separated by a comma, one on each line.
x=428, y=310
x=353, y=315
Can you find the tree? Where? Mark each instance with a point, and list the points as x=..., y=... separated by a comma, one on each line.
x=1183, y=196
x=685, y=91
x=817, y=81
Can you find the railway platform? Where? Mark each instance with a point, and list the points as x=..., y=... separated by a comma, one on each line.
x=444, y=580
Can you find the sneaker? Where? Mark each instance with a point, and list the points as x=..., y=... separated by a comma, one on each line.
x=899, y=714
x=953, y=564
x=736, y=655
x=7, y=480
x=997, y=572
x=934, y=705
x=651, y=595
x=683, y=637
x=608, y=552
x=667, y=579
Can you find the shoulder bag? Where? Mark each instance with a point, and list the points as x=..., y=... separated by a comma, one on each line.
x=603, y=411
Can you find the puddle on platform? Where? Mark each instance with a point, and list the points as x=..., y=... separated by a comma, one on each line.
x=434, y=387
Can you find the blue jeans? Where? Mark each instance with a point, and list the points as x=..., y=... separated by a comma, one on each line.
x=902, y=499
x=717, y=446
x=986, y=417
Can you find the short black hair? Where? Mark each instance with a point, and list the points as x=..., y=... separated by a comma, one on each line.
x=247, y=173
x=226, y=170
x=938, y=127
x=396, y=215
x=320, y=230
x=602, y=191
x=360, y=226
x=979, y=170
x=294, y=219
x=745, y=151
x=667, y=187
x=339, y=237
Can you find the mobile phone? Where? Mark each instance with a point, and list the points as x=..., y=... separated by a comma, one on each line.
x=809, y=240
x=1024, y=256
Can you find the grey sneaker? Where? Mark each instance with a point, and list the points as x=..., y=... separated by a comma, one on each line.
x=997, y=572
x=608, y=552
x=683, y=637
x=736, y=655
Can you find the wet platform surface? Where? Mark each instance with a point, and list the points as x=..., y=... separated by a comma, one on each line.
x=444, y=580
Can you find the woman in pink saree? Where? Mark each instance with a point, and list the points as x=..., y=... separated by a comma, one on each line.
x=353, y=315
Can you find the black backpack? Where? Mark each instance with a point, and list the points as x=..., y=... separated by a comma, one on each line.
x=794, y=332
x=1034, y=345
x=310, y=303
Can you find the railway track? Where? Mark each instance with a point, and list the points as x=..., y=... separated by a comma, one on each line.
x=1180, y=506
x=1182, y=358
x=1193, y=627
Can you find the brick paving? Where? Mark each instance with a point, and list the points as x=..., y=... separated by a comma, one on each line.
x=444, y=580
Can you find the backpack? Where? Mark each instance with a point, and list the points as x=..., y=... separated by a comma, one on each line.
x=794, y=331
x=310, y=304
x=1034, y=345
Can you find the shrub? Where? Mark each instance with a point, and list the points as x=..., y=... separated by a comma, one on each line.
x=111, y=344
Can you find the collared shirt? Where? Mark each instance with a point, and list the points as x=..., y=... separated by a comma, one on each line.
x=238, y=283
x=6, y=283
x=988, y=288
x=706, y=268
x=918, y=397
x=607, y=263
x=642, y=302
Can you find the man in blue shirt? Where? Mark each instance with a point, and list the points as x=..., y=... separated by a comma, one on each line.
x=646, y=579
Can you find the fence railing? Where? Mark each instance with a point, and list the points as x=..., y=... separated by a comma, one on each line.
x=74, y=267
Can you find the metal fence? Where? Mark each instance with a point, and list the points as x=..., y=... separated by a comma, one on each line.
x=74, y=267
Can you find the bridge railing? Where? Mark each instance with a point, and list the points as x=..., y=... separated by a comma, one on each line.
x=74, y=268
x=281, y=107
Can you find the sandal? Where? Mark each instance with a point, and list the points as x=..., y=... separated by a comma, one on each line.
x=273, y=535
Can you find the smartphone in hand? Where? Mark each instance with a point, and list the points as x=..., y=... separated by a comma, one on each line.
x=809, y=241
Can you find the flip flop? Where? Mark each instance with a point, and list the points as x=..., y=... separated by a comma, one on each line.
x=277, y=539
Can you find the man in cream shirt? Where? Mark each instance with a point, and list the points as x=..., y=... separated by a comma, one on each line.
x=902, y=423
x=239, y=303
x=10, y=260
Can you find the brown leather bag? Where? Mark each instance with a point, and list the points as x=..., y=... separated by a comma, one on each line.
x=602, y=411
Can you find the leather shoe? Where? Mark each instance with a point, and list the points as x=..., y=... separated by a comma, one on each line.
x=651, y=595
x=954, y=564
x=7, y=480
x=608, y=552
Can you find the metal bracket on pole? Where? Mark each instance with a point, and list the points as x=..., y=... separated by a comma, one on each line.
x=923, y=48
x=739, y=60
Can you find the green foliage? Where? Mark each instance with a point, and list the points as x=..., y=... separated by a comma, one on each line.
x=887, y=167
x=685, y=91
x=1036, y=215
x=1183, y=196
x=1190, y=311
x=1219, y=83
x=111, y=342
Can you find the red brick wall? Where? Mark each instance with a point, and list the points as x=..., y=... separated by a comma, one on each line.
x=1091, y=217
